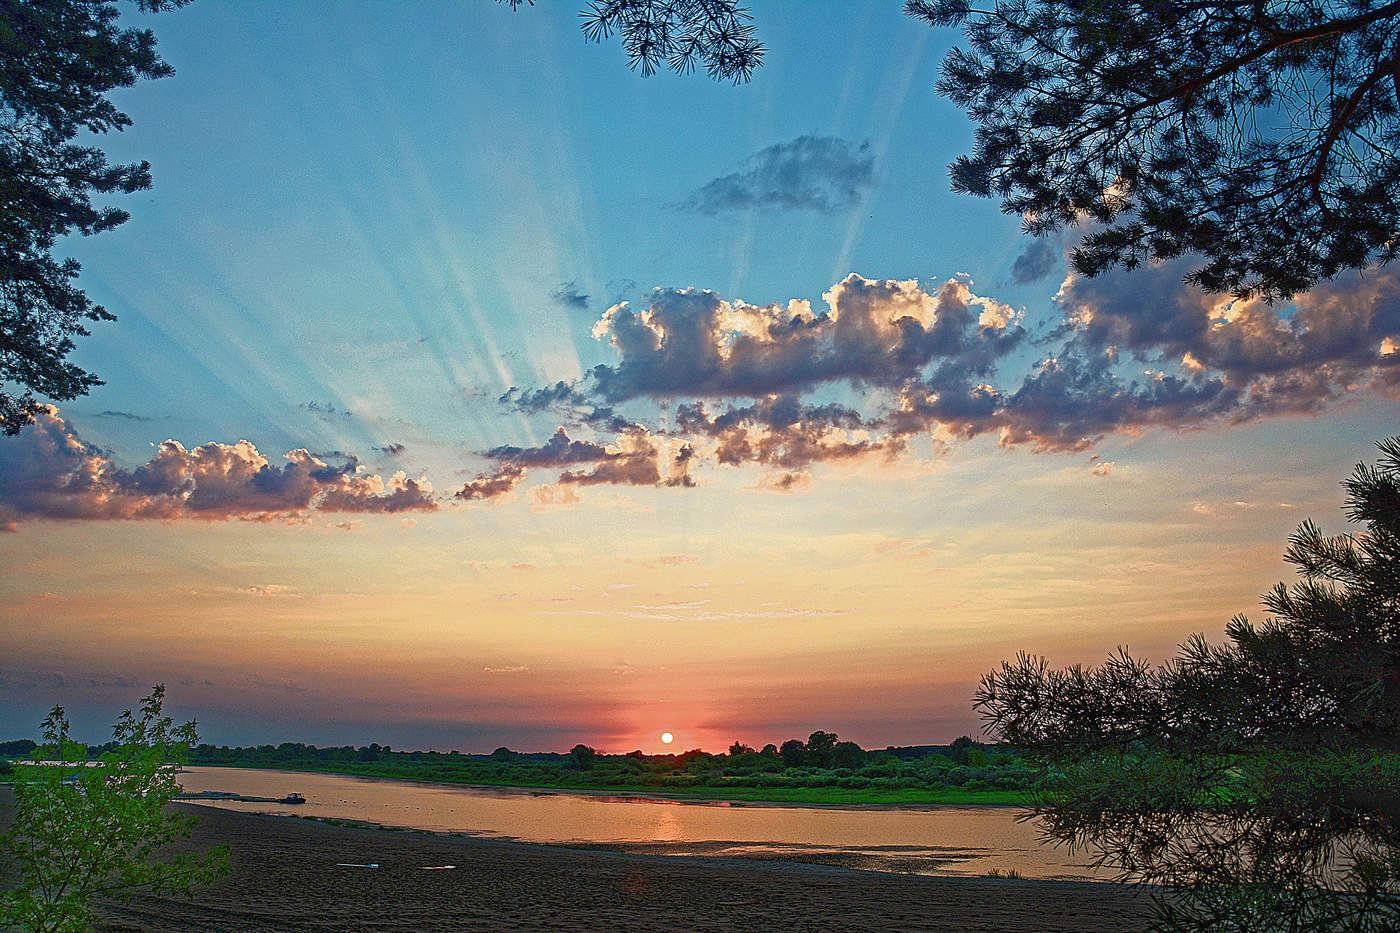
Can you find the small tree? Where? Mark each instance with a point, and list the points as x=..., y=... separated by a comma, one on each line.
x=100, y=831
x=794, y=753
x=1258, y=782
x=581, y=757
x=820, y=746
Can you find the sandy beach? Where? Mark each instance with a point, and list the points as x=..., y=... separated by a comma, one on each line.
x=285, y=878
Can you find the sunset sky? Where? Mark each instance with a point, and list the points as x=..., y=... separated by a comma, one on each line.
x=469, y=389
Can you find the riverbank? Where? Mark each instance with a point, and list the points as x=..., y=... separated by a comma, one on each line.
x=285, y=879
x=802, y=796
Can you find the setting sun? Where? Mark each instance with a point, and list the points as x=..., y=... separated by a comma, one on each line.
x=667, y=738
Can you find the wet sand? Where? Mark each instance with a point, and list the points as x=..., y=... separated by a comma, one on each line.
x=285, y=878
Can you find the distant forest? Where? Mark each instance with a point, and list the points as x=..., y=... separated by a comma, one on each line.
x=819, y=769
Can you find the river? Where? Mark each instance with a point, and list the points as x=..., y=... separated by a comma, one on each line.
x=936, y=840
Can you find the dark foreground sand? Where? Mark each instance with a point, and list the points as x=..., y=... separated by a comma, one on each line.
x=285, y=879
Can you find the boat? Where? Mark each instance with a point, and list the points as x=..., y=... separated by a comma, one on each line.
x=293, y=798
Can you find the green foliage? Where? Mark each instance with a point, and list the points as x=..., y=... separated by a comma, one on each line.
x=60, y=60
x=82, y=832
x=581, y=757
x=1258, y=781
x=1260, y=137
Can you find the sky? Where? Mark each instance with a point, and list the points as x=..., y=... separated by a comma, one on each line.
x=469, y=389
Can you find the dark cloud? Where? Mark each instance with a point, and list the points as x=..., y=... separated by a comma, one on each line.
x=1036, y=261
x=558, y=450
x=50, y=472
x=635, y=459
x=392, y=449
x=546, y=397
x=491, y=485
x=569, y=295
x=817, y=173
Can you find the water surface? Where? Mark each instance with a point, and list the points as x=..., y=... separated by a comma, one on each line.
x=942, y=840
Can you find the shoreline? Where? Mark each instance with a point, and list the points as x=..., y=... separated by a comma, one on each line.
x=630, y=793
x=287, y=877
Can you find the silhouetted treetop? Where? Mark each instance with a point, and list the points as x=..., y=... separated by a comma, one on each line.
x=1258, y=780
x=1260, y=135
x=677, y=34
x=58, y=61
x=1324, y=670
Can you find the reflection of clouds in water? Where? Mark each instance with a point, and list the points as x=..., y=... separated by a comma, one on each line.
x=666, y=828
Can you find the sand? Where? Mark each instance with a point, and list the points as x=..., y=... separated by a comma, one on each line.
x=285, y=878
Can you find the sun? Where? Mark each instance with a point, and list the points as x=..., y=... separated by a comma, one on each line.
x=667, y=738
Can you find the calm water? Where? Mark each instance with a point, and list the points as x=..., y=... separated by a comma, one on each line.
x=925, y=840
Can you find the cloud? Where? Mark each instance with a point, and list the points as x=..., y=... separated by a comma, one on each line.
x=1275, y=363
x=817, y=173
x=52, y=473
x=542, y=398
x=636, y=458
x=125, y=416
x=391, y=449
x=877, y=332
x=493, y=484
x=633, y=462
x=325, y=410
x=546, y=495
x=1035, y=262
x=569, y=295
x=784, y=481
x=557, y=450
x=779, y=430
x=1136, y=350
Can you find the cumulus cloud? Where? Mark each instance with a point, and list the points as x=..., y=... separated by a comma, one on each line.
x=1335, y=338
x=50, y=472
x=816, y=173
x=779, y=430
x=1136, y=350
x=877, y=332
x=632, y=462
